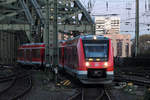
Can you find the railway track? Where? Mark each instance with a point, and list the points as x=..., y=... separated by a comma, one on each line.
x=20, y=84
x=7, y=78
x=107, y=94
x=135, y=79
x=137, y=75
x=101, y=93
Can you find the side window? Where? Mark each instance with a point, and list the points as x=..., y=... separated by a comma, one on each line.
x=36, y=53
x=21, y=53
x=28, y=53
x=33, y=53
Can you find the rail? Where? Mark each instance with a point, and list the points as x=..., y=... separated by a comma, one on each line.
x=20, y=84
x=91, y=94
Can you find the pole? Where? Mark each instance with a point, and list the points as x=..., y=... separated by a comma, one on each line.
x=55, y=41
x=47, y=43
x=137, y=29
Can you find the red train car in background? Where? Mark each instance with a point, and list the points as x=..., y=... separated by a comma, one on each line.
x=31, y=54
x=89, y=58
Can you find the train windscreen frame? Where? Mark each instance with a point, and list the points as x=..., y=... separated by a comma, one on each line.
x=96, y=49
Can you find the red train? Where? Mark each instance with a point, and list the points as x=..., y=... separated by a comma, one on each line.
x=31, y=54
x=88, y=58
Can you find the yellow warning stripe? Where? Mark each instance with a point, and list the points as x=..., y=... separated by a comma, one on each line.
x=66, y=82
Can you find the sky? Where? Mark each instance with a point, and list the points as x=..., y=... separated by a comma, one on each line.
x=126, y=11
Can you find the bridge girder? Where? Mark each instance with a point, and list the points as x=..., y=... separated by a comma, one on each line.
x=72, y=16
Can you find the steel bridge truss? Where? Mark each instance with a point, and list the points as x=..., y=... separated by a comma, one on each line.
x=30, y=16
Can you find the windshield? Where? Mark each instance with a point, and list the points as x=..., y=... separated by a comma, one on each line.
x=97, y=49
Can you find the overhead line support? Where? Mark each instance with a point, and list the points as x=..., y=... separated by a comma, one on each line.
x=137, y=29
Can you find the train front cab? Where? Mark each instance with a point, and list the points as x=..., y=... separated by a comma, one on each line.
x=95, y=67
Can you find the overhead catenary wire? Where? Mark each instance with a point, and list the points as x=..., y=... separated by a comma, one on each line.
x=128, y=6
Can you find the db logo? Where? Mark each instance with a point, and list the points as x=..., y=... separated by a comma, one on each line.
x=96, y=64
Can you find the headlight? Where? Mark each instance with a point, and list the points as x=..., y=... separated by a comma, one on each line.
x=105, y=64
x=87, y=64
x=90, y=59
x=94, y=37
x=97, y=59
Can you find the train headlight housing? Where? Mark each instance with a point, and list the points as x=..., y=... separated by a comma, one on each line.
x=105, y=64
x=90, y=59
x=94, y=37
x=87, y=64
x=97, y=59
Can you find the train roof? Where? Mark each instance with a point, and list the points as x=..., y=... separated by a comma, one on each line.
x=30, y=44
x=90, y=37
x=83, y=37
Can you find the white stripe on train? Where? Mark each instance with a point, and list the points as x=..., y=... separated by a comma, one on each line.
x=84, y=72
x=69, y=69
x=28, y=62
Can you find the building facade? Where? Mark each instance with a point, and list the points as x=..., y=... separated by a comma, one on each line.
x=121, y=44
x=107, y=24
